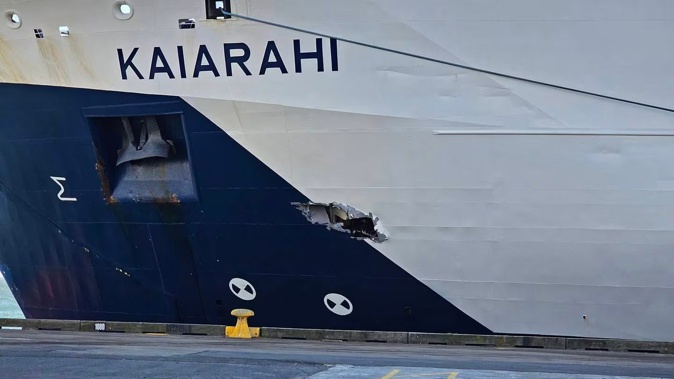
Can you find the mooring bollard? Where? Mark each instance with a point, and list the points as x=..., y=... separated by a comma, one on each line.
x=241, y=330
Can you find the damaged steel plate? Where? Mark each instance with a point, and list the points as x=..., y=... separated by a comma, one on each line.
x=345, y=219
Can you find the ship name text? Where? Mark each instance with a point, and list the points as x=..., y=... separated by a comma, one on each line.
x=235, y=60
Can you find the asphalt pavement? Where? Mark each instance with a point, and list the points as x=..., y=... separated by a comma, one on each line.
x=78, y=355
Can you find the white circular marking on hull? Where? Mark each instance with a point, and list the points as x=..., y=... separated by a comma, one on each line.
x=338, y=304
x=242, y=289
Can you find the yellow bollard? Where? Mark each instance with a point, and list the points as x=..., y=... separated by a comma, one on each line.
x=241, y=330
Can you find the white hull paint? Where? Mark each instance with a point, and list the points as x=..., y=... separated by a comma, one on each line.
x=564, y=227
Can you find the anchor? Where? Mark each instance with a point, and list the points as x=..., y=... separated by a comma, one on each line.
x=150, y=143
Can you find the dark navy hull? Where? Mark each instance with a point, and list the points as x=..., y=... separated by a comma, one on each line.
x=103, y=257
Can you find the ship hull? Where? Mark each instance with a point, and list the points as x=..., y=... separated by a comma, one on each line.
x=173, y=259
x=531, y=196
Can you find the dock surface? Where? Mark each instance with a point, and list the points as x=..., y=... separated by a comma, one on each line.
x=50, y=354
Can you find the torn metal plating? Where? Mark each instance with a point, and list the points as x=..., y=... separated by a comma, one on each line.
x=344, y=218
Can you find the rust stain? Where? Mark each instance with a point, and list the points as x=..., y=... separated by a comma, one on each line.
x=56, y=66
x=167, y=197
x=77, y=52
x=105, y=184
x=9, y=65
x=104, y=179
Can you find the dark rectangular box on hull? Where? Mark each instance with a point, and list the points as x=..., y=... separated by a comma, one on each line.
x=143, y=158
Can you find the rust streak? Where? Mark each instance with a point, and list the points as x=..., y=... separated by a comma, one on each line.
x=76, y=51
x=105, y=184
x=9, y=68
x=55, y=64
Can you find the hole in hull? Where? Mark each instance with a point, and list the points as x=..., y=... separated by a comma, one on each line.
x=344, y=218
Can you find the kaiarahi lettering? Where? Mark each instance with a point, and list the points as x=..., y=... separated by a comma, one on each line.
x=231, y=59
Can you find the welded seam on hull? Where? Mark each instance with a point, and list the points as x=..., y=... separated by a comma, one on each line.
x=111, y=264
